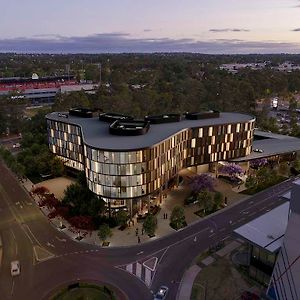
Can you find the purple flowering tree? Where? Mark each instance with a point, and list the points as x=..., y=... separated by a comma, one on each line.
x=258, y=163
x=202, y=182
x=231, y=169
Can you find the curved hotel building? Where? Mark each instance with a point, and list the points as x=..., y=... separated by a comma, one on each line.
x=126, y=159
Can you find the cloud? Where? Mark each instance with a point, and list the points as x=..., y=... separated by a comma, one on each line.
x=125, y=43
x=296, y=29
x=229, y=30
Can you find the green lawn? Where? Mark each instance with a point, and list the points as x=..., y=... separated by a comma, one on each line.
x=84, y=293
x=261, y=188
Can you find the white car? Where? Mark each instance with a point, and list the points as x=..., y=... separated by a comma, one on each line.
x=15, y=268
x=162, y=293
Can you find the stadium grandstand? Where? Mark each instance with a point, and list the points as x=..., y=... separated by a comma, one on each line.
x=42, y=90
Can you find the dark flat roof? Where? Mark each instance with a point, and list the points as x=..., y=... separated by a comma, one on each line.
x=275, y=144
x=96, y=133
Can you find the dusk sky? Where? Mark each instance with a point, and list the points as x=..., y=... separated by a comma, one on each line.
x=95, y=26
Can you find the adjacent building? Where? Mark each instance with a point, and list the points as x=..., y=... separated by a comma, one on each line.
x=274, y=252
x=42, y=90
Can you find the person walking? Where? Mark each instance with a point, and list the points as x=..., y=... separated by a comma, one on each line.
x=139, y=240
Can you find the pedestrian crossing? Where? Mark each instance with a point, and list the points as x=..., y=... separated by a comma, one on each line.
x=142, y=269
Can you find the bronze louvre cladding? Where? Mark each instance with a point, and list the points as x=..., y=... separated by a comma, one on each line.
x=126, y=167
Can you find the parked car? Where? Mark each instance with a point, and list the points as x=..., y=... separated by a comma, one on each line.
x=162, y=293
x=258, y=150
x=15, y=268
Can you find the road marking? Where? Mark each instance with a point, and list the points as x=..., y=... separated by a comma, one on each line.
x=148, y=274
x=61, y=240
x=188, y=237
x=211, y=235
x=129, y=268
x=50, y=245
x=138, y=270
x=139, y=253
x=25, y=225
x=12, y=287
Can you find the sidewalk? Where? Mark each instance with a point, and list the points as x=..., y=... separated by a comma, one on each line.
x=186, y=284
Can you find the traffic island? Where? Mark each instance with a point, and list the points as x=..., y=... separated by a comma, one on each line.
x=85, y=291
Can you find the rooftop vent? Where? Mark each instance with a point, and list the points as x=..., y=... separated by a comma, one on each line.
x=129, y=127
x=112, y=117
x=81, y=112
x=202, y=115
x=166, y=118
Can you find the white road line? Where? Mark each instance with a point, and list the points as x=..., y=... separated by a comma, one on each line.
x=129, y=268
x=12, y=287
x=32, y=234
x=138, y=271
x=147, y=276
x=211, y=235
x=188, y=237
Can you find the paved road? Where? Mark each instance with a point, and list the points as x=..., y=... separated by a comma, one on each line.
x=24, y=228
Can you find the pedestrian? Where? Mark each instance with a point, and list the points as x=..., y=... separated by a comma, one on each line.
x=142, y=231
x=166, y=216
x=137, y=232
x=195, y=239
x=139, y=240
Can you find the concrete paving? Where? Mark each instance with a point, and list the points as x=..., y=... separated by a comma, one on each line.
x=208, y=260
x=57, y=185
x=128, y=237
x=186, y=285
x=228, y=248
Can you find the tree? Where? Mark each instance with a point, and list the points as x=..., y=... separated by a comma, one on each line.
x=81, y=222
x=104, y=232
x=250, y=182
x=205, y=201
x=40, y=191
x=177, y=219
x=258, y=163
x=202, y=182
x=57, y=167
x=231, y=169
x=218, y=200
x=122, y=217
x=150, y=225
x=296, y=164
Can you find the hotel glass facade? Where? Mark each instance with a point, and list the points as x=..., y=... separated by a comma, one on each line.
x=120, y=175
